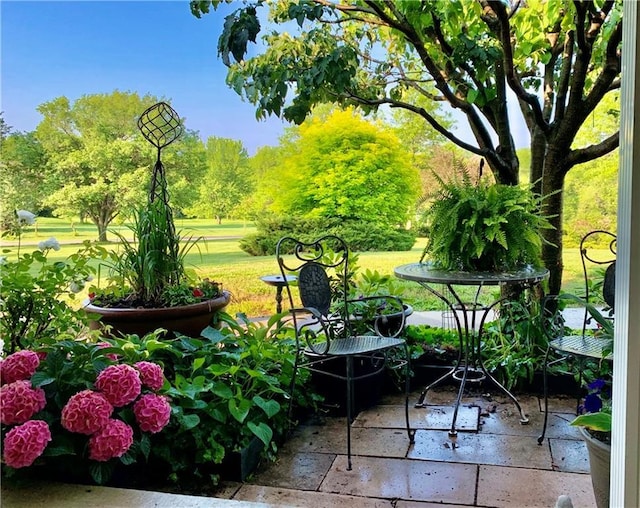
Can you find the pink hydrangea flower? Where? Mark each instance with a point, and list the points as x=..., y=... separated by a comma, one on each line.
x=86, y=412
x=18, y=366
x=151, y=375
x=152, y=412
x=25, y=443
x=19, y=402
x=120, y=384
x=112, y=440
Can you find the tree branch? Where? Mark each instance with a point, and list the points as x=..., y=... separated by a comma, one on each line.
x=610, y=70
x=430, y=119
x=592, y=152
x=565, y=76
x=500, y=26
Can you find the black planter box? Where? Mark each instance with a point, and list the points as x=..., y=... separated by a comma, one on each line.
x=367, y=391
x=237, y=466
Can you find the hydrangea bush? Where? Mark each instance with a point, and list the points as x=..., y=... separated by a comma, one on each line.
x=82, y=405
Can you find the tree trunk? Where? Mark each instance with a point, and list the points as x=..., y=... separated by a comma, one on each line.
x=538, y=149
x=553, y=190
x=102, y=231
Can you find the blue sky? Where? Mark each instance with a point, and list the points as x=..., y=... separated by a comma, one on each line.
x=51, y=49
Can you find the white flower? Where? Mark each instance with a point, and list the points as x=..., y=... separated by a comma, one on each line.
x=76, y=287
x=26, y=217
x=50, y=243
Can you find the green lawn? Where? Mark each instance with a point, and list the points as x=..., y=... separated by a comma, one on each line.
x=65, y=232
x=222, y=260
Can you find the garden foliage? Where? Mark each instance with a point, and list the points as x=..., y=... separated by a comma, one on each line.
x=483, y=226
x=359, y=236
x=35, y=294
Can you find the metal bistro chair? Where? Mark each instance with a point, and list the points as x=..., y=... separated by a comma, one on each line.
x=324, y=324
x=593, y=342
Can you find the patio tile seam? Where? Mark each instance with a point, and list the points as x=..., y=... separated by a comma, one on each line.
x=479, y=464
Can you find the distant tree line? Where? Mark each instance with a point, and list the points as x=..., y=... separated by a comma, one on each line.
x=370, y=179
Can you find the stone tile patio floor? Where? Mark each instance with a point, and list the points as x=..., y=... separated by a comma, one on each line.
x=493, y=462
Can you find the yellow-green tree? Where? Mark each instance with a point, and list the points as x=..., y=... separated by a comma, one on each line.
x=344, y=167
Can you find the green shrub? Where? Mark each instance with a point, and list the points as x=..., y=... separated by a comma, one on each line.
x=359, y=236
x=35, y=291
x=227, y=387
x=439, y=343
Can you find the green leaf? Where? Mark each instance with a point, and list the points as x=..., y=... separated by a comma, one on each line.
x=145, y=446
x=594, y=421
x=101, y=471
x=262, y=431
x=197, y=363
x=127, y=459
x=239, y=412
x=188, y=422
x=41, y=379
x=270, y=407
x=60, y=446
x=222, y=390
x=153, y=345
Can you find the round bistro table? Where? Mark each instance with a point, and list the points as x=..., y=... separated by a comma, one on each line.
x=279, y=282
x=469, y=366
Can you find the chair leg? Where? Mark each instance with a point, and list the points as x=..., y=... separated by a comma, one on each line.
x=407, y=389
x=349, y=360
x=546, y=396
x=292, y=389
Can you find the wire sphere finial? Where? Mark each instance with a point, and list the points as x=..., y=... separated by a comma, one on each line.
x=160, y=125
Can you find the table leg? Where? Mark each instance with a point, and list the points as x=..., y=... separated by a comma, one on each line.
x=278, y=299
x=523, y=417
x=470, y=352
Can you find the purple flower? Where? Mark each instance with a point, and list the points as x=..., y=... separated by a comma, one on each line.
x=597, y=384
x=592, y=403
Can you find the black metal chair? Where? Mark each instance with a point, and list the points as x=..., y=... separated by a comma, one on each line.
x=594, y=341
x=329, y=325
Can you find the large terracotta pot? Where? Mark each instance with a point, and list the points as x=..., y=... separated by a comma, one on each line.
x=599, y=464
x=188, y=320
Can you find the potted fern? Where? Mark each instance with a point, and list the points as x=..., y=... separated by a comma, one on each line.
x=149, y=286
x=483, y=226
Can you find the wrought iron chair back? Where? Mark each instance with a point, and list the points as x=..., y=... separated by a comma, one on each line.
x=324, y=319
x=597, y=248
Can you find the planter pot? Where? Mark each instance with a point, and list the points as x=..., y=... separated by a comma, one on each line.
x=237, y=466
x=366, y=392
x=188, y=320
x=394, y=321
x=599, y=464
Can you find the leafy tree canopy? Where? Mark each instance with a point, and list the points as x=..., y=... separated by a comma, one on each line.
x=226, y=180
x=344, y=167
x=559, y=58
x=22, y=167
x=100, y=162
